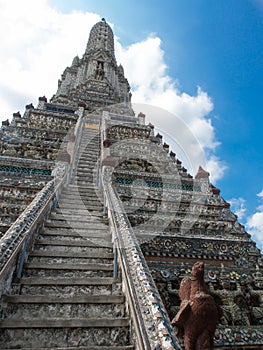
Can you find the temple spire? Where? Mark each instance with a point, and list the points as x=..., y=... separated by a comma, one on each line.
x=95, y=74
x=101, y=37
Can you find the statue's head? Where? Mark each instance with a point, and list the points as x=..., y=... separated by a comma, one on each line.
x=198, y=270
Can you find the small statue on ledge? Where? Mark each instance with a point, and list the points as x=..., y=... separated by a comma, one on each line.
x=198, y=314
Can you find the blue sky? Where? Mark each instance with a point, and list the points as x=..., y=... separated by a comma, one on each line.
x=216, y=45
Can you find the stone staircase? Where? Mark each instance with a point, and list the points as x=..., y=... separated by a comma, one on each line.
x=67, y=297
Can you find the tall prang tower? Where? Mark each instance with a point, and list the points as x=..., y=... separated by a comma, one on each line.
x=100, y=222
x=95, y=79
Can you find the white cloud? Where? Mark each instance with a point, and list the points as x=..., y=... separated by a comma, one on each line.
x=238, y=207
x=39, y=43
x=147, y=73
x=255, y=227
x=215, y=167
x=255, y=223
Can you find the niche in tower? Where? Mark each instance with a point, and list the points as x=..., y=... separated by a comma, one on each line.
x=99, y=72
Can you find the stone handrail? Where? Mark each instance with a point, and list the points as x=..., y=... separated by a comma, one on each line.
x=75, y=152
x=16, y=242
x=20, y=237
x=148, y=313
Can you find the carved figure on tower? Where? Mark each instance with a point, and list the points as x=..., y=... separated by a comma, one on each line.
x=198, y=314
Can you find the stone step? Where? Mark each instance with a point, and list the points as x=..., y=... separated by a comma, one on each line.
x=47, y=273
x=95, y=223
x=76, y=217
x=89, y=149
x=91, y=194
x=64, y=260
x=87, y=177
x=69, y=224
x=64, y=247
x=86, y=160
x=80, y=299
x=68, y=281
x=93, y=142
x=35, y=306
x=72, y=260
x=98, y=233
x=70, y=255
x=87, y=157
x=92, y=201
x=74, y=212
x=93, y=232
x=109, y=347
x=82, y=210
x=65, y=323
x=88, y=237
x=86, y=164
x=86, y=187
x=54, y=332
x=89, y=133
x=90, y=243
x=63, y=287
x=87, y=169
x=89, y=189
x=65, y=270
x=50, y=257
x=90, y=142
x=80, y=206
x=31, y=311
x=78, y=211
x=79, y=202
x=67, y=290
x=61, y=267
x=82, y=193
x=85, y=182
x=90, y=145
x=92, y=137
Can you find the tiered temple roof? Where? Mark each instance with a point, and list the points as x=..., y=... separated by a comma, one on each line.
x=29, y=148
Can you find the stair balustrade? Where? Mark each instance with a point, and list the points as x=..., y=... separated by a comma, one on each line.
x=20, y=237
x=151, y=322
